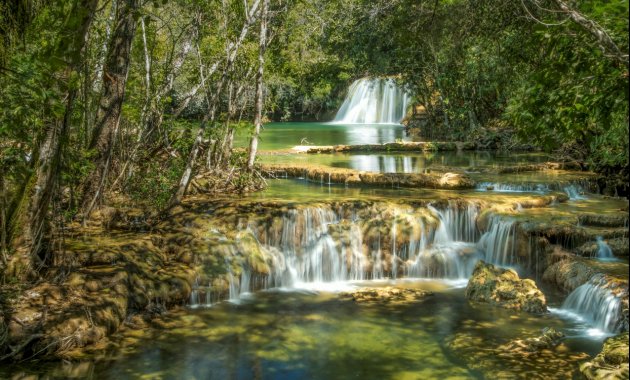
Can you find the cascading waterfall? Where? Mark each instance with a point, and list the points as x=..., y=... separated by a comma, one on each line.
x=498, y=242
x=598, y=305
x=603, y=250
x=316, y=246
x=373, y=101
x=305, y=250
x=452, y=253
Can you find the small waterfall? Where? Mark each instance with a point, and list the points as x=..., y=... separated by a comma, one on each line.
x=575, y=189
x=198, y=293
x=523, y=187
x=598, y=305
x=603, y=250
x=234, y=287
x=498, y=242
x=373, y=101
x=575, y=192
x=457, y=224
x=454, y=260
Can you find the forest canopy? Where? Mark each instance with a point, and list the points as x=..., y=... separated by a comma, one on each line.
x=128, y=99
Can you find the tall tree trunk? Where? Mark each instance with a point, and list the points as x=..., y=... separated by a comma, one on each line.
x=153, y=110
x=253, y=145
x=3, y=224
x=48, y=155
x=108, y=114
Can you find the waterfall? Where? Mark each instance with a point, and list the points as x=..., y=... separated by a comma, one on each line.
x=574, y=190
x=315, y=245
x=603, y=250
x=598, y=305
x=196, y=295
x=373, y=101
x=457, y=223
x=323, y=246
x=498, y=242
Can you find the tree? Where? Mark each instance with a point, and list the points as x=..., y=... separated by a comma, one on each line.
x=108, y=114
x=253, y=146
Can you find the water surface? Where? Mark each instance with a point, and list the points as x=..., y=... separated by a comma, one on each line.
x=316, y=335
x=287, y=135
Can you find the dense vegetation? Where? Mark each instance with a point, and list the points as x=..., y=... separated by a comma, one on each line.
x=125, y=100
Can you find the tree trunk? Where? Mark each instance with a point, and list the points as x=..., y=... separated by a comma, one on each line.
x=108, y=113
x=49, y=151
x=3, y=225
x=253, y=145
x=153, y=111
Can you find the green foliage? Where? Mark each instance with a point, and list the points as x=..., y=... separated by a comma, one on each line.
x=575, y=95
x=152, y=185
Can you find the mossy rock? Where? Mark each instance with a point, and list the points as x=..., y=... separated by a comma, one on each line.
x=611, y=362
x=504, y=288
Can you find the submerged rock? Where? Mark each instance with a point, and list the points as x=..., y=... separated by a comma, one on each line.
x=385, y=295
x=549, y=338
x=611, y=363
x=543, y=357
x=503, y=287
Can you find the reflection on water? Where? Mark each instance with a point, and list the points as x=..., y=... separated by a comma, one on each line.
x=311, y=335
x=410, y=162
x=288, y=135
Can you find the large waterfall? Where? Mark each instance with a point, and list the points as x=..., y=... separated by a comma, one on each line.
x=373, y=101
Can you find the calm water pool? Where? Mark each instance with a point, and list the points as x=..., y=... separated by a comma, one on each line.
x=289, y=134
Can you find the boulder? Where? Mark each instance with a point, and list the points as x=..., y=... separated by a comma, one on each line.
x=568, y=274
x=503, y=287
x=611, y=363
x=456, y=181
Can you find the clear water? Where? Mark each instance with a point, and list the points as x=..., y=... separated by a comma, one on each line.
x=316, y=335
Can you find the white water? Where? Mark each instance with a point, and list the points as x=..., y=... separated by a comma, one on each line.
x=603, y=250
x=322, y=247
x=373, y=101
x=329, y=247
x=498, y=242
x=575, y=191
x=595, y=304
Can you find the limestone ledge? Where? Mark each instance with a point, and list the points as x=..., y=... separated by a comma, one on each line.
x=449, y=181
x=387, y=147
